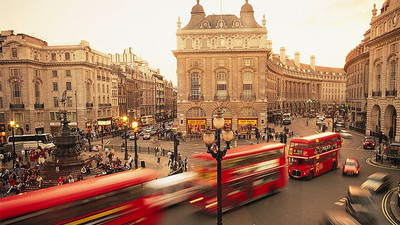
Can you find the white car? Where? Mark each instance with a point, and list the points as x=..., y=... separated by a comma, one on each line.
x=132, y=137
x=345, y=134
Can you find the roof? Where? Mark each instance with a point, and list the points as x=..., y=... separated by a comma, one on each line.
x=243, y=150
x=314, y=136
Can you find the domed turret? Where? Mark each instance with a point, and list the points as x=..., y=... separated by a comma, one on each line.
x=247, y=8
x=247, y=15
x=197, y=16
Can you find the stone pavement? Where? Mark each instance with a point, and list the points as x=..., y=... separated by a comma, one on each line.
x=394, y=208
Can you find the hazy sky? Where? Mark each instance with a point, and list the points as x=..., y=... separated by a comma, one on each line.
x=328, y=29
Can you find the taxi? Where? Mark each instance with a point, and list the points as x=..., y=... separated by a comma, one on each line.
x=351, y=167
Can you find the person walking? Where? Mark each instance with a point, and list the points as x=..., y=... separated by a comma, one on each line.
x=39, y=180
x=185, y=163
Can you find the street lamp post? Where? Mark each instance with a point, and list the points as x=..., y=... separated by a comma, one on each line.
x=333, y=117
x=125, y=119
x=12, y=124
x=134, y=127
x=209, y=139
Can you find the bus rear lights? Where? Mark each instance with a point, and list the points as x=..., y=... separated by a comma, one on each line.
x=196, y=200
x=211, y=205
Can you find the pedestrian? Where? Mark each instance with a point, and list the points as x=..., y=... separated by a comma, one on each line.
x=70, y=178
x=156, y=150
x=60, y=180
x=185, y=162
x=39, y=180
x=57, y=166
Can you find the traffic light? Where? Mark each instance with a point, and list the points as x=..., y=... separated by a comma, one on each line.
x=285, y=138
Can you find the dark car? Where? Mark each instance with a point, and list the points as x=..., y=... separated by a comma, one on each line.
x=369, y=142
x=337, y=217
x=360, y=204
x=377, y=182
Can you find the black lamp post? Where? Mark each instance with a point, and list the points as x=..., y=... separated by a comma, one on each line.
x=125, y=119
x=12, y=124
x=333, y=117
x=134, y=127
x=209, y=139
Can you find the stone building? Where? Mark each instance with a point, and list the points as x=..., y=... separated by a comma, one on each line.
x=34, y=77
x=221, y=62
x=373, y=74
x=226, y=61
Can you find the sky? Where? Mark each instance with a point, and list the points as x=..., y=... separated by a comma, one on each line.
x=328, y=29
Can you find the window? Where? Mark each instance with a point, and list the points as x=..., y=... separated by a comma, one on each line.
x=2, y=118
x=247, y=85
x=35, y=55
x=67, y=56
x=188, y=43
x=69, y=101
x=37, y=93
x=68, y=86
x=221, y=85
x=16, y=92
x=1, y=102
x=54, y=73
x=19, y=117
x=53, y=56
x=393, y=66
x=55, y=99
x=68, y=73
x=378, y=78
x=195, y=85
x=53, y=116
x=247, y=62
x=55, y=86
x=14, y=52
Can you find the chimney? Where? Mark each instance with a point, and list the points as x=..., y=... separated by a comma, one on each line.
x=312, y=62
x=297, y=59
x=283, y=56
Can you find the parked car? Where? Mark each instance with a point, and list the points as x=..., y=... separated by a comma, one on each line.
x=377, y=182
x=351, y=167
x=146, y=136
x=345, y=134
x=338, y=217
x=360, y=204
x=369, y=142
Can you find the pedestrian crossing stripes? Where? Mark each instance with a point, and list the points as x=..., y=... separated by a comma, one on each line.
x=341, y=202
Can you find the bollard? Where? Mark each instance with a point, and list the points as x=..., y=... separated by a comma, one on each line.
x=158, y=159
x=142, y=164
x=148, y=150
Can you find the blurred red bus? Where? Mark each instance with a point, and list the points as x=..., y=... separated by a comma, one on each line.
x=313, y=155
x=248, y=173
x=112, y=199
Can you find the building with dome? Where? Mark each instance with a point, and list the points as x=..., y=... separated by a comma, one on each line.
x=227, y=61
x=373, y=75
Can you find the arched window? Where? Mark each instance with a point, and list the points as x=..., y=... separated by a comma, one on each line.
x=221, y=86
x=247, y=85
x=195, y=85
x=53, y=56
x=16, y=93
x=378, y=78
x=196, y=112
x=188, y=43
x=246, y=112
x=14, y=52
x=393, y=67
x=67, y=56
x=35, y=55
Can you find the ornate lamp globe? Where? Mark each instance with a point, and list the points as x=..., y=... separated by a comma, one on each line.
x=125, y=118
x=227, y=135
x=134, y=124
x=208, y=138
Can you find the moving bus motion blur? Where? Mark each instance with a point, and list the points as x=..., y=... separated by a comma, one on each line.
x=248, y=173
x=174, y=189
x=147, y=120
x=45, y=141
x=313, y=155
x=112, y=199
x=286, y=119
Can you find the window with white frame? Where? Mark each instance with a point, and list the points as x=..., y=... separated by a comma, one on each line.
x=16, y=93
x=221, y=85
x=378, y=78
x=247, y=84
x=195, y=85
x=393, y=67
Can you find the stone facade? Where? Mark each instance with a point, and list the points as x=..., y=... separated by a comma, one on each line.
x=35, y=75
x=226, y=61
x=373, y=74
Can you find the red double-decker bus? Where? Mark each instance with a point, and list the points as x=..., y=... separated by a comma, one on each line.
x=313, y=155
x=112, y=199
x=248, y=173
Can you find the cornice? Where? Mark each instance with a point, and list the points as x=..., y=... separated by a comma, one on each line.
x=49, y=64
x=196, y=51
x=358, y=57
x=383, y=37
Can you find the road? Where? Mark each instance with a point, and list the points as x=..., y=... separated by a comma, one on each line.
x=302, y=202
